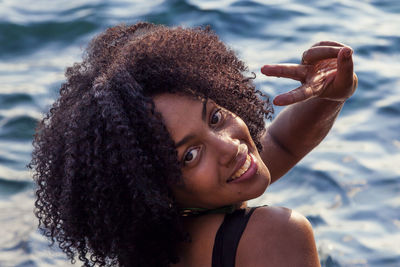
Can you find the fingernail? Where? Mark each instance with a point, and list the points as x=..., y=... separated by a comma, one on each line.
x=347, y=53
x=264, y=69
x=303, y=61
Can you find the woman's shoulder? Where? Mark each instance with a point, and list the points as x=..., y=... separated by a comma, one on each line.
x=277, y=236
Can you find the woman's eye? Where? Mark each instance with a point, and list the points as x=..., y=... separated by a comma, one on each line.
x=216, y=117
x=190, y=155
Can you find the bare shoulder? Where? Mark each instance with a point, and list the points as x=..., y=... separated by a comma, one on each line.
x=277, y=236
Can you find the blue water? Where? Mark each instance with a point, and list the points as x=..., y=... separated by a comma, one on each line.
x=349, y=187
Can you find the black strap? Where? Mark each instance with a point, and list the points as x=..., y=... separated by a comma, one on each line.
x=228, y=237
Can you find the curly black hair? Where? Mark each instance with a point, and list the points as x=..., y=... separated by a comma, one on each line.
x=103, y=159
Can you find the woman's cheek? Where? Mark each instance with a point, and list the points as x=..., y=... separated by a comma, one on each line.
x=204, y=175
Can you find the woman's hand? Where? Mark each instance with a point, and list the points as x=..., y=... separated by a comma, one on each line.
x=326, y=72
x=327, y=80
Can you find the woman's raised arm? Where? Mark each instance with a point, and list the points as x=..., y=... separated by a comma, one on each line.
x=327, y=81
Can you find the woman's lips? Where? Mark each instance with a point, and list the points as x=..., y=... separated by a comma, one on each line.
x=243, y=168
x=251, y=170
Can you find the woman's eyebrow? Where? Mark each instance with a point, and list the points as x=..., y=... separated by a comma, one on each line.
x=187, y=138
x=184, y=140
x=204, y=111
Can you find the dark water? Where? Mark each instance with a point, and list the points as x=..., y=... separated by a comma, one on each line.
x=349, y=187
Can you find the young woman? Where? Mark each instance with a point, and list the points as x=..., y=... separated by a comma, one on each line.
x=157, y=141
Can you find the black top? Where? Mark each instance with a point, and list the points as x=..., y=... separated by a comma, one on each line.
x=228, y=237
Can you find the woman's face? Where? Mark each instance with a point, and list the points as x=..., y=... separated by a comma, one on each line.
x=220, y=162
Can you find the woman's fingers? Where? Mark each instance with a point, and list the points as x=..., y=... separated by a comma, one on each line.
x=291, y=71
x=345, y=78
x=318, y=53
x=328, y=43
x=299, y=94
x=326, y=71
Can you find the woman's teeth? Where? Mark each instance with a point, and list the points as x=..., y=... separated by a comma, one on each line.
x=243, y=169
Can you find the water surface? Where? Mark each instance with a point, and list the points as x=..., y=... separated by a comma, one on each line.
x=348, y=187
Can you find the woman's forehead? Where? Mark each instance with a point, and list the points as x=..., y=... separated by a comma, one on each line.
x=180, y=112
x=176, y=106
x=167, y=102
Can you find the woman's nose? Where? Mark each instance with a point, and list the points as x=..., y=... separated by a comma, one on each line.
x=226, y=149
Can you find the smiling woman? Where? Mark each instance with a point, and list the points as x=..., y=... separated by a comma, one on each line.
x=214, y=151
x=158, y=140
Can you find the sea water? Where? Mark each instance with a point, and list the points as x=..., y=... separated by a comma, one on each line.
x=348, y=187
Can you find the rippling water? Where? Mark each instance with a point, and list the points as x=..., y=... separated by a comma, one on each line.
x=348, y=187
